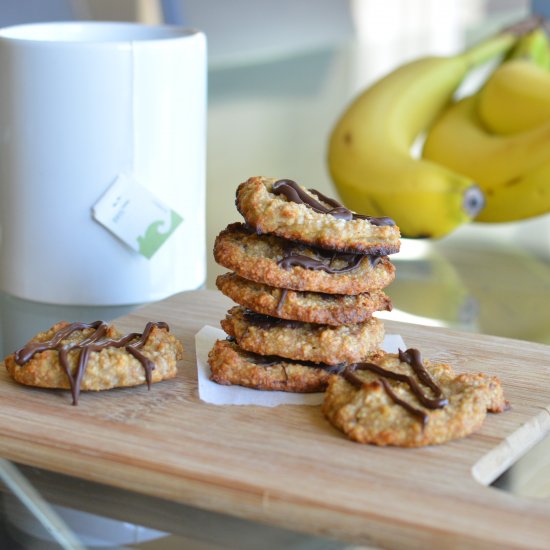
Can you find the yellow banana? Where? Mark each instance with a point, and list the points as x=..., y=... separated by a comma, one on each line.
x=369, y=149
x=515, y=98
x=458, y=141
x=520, y=198
x=513, y=169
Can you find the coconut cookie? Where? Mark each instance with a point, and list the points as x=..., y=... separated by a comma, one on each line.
x=281, y=263
x=308, y=307
x=95, y=356
x=396, y=399
x=231, y=365
x=285, y=209
x=326, y=344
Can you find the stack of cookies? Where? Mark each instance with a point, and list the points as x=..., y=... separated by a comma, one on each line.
x=308, y=275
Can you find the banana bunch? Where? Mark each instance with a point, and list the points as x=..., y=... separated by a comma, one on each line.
x=517, y=95
x=369, y=151
x=500, y=136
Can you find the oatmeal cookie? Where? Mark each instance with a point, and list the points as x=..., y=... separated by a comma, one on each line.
x=95, y=356
x=231, y=365
x=308, y=307
x=283, y=208
x=281, y=263
x=372, y=407
x=303, y=341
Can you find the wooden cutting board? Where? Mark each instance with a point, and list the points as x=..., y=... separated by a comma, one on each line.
x=287, y=466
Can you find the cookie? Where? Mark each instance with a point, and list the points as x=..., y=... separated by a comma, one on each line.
x=95, y=356
x=230, y=365
x=285, y=209
x=308, y=307
x=281, y=263
x=303, y=341
x=370, y=406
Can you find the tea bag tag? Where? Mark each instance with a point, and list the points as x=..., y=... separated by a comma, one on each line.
x=136, y=215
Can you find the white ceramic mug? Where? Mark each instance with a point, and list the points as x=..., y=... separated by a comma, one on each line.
x=81, y=104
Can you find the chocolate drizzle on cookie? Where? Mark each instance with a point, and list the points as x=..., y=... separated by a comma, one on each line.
x=323, y=259
x=294, y=193
x=95, y=342
x=267, y=322
x=413, y=358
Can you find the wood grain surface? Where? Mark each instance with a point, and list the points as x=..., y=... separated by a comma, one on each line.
x=287, y=466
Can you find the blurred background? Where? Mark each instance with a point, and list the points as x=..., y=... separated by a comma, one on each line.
x=281, y=73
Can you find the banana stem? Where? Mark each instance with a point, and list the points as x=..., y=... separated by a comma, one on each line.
x=488, y=49
x=500, y=43
x=533, y=47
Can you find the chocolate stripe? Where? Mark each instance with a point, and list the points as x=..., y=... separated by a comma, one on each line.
x=96, y=342
x=293, y=192
x=411, y=357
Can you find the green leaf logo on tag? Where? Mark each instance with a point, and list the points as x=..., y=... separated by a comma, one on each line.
x=135, y=215
x=154, y=238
